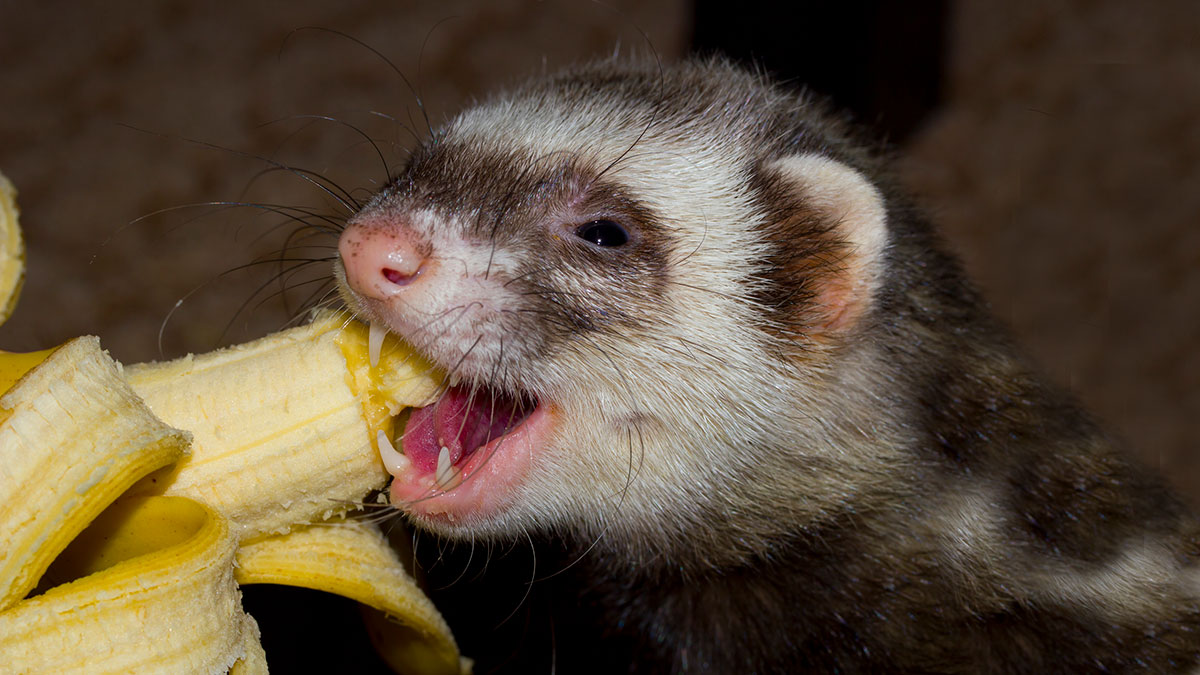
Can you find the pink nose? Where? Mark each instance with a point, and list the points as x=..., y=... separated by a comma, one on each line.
x=381, y=259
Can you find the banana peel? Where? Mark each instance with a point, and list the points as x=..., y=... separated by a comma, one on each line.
x=54, y=476
x=353, y=559
x=165, y=603
x=134, y=501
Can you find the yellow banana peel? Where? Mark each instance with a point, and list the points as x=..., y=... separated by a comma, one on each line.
x=133, y=501
x=164, y=602
x=55, y=474
x=353, y=559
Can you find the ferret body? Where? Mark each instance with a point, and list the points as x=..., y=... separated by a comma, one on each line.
x=700, y=341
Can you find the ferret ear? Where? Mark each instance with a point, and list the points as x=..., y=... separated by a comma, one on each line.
x=833, y=226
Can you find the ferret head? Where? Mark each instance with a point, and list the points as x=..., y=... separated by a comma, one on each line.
x=649, y=287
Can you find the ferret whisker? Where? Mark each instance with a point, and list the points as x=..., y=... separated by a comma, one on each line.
x=305, y=175
x=420, y=62
x=396, y=143
x=307, y=218
x=413, y=542
x=425, y=329
x=474, y=390
x=323, y=183
x=250, y=299
x=359, y=507
x=324, y=296
x=479, y=218
x=489, y=555
x=528, y=586
x=395, y=69
x=288, y=281
x=323, y=285
x=223, y=206
x=699, y=244
x=387, y=171
x=465, y=568
x=162, y=326
x=289, y=213
x=288, y=246
x=179, y=303
x=463, y=357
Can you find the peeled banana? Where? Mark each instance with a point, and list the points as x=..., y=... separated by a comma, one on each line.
x=278, y=429
x=134, y=500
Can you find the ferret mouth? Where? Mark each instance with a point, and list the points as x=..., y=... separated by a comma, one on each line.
x=441, y=436
x=464, y=453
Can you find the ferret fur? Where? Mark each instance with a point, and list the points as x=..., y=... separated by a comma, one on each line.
x=790, y=438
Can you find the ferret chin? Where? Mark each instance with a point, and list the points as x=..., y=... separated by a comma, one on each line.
x=701, y=343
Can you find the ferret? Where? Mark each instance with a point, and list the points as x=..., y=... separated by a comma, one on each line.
x=697, y=339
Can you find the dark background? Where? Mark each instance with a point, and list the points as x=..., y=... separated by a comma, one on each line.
x=1056, y=144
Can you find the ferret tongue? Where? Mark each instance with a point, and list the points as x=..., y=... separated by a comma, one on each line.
x=460, y=421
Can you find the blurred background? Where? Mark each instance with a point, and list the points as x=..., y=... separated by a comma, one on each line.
x=1057, y=145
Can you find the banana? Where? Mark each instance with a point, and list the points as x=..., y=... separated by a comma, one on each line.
x=352, y=559
x=134, y=500
x=278, y=432
x=74, y=437
x=153, y=591
x=12, y=250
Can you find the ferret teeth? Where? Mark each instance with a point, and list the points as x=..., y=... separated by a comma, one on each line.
x=375, y=342
x=443, y=463
x=447, y=477
x=395, y=462
x=455, y=378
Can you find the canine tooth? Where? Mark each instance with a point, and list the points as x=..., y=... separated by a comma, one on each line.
x=375, y=342
x=395, y=462
x=447, y=477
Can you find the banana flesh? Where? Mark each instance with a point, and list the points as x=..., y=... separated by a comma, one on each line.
x=125, y=537
x=288, y=443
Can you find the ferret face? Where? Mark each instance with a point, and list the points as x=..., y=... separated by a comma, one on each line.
x=621, y=271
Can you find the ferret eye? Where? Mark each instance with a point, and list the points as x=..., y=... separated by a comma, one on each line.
x=602, y=233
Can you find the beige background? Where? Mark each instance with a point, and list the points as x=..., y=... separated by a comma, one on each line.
x=1063, y=164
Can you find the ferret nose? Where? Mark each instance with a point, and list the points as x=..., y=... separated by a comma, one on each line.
x=380, y=260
